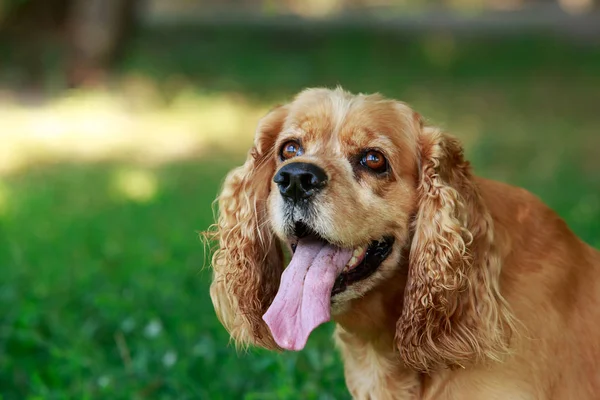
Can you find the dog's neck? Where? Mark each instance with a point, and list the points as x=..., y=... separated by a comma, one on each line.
x=372, y=318
x=365, y=335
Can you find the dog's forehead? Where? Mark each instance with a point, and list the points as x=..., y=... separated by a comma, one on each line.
x=344, y=123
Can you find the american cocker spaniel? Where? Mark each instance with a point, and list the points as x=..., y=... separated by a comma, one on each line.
x=442, y=285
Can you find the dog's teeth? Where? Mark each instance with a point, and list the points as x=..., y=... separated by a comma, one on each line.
x=358, y=251
x=356, y=257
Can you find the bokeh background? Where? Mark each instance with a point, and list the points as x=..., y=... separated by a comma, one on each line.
x=120, y=118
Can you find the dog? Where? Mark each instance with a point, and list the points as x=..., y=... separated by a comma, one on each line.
x=442, y=285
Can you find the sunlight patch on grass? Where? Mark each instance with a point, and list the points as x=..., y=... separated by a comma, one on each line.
x=4, y=198
x=93, y=126
x=316, y=8
x=136, y=185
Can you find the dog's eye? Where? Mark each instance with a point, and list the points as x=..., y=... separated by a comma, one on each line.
x=290, y=149
x=375, y=161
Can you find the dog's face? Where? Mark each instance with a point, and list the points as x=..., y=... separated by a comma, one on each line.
x=372, y=203
x=346, y=172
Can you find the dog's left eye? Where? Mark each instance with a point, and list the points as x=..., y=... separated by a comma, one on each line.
x=375, y=161
x=290, y=149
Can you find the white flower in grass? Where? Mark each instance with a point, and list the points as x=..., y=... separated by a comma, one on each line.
x=169, y=359
x=128, y=325
x=153, y=329
x=104, y=381
x=205, y=348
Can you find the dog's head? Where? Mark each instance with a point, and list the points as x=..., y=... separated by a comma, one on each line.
x=364, y=195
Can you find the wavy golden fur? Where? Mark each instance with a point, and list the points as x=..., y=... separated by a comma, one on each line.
x=487, y=294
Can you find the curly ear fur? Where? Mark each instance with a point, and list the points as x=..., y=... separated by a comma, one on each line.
x=249, y=261
x=453, y=311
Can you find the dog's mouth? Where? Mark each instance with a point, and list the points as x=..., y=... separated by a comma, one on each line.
x=365, y=259
x=318, y=270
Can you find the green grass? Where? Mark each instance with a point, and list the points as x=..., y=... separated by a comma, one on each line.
x=104, y=297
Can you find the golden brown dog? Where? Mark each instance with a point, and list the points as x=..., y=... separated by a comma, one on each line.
x=442, y=285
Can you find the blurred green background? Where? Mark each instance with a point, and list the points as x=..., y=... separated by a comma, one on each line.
x=111, y=156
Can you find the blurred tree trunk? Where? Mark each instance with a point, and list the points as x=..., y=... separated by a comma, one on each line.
x=30, y=28
x=96, y=32
x=93, y=33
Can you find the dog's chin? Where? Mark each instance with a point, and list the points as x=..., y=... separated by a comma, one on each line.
x=341, y=302
x=363, y=270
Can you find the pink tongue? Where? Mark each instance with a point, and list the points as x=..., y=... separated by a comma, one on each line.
x=303, y=300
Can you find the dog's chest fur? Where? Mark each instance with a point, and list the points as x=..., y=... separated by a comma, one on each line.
x=372, y=374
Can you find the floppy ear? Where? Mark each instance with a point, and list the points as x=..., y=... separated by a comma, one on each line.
x=249, y=261
x=453, y=311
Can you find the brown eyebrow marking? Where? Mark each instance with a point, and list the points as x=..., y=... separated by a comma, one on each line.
x=365, y=138
x=312, y=128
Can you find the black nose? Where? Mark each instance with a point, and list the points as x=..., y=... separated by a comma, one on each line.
x=300, y=180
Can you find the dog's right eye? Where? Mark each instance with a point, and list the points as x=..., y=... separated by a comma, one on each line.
x=290, y=149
